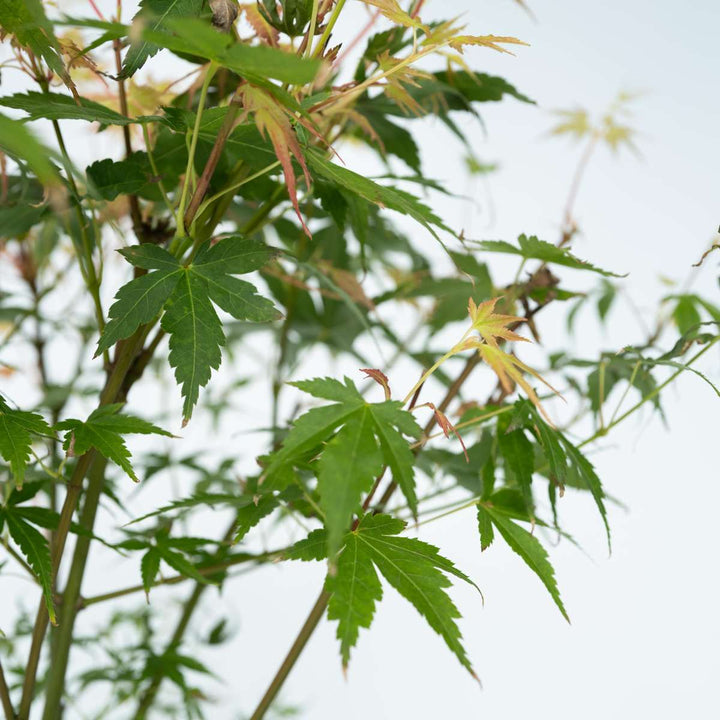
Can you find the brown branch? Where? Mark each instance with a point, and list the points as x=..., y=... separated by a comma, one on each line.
x=135, y=214
x=5, y=697
x=208, y=171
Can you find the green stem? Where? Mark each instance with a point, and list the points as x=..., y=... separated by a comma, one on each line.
x=650, y=396
x=313, y=25
x=153, y=166
x=428, y=373
x=306, y=631
x=328, y=30
x=87, y=266
x=64, y=633
x=5, y=697
x=111, y=391
x=175, y=579
x=190, y=169
x=118, y=383
x=627, y=390
x=41, y=620
x=209, y=169
x=236, y=185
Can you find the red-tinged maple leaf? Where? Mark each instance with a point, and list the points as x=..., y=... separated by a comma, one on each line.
x=263, y=29
x=494, y=42
x=447, y=427
x=398, y=78
x=273, y=121
x=392, y=11
x=510, y=372
x=492, y=326
x=380, y=378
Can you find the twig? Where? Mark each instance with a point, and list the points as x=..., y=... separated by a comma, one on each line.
x=5, y=697
x=175, y=579
x=135, y=214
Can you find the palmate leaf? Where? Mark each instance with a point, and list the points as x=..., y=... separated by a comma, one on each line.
x=370, y=436
x=142, y=299
x=18, y=142
x=35, y=549
x=491, y=326
x=372, y=192
x=565, y=461
x=196, y=336
x=414, y=568
x=153, y=14
x=26, y=20
x=53, y=106
x=254, y=62
x=104, y=430
x=17, y=429
x=348, y=466
x=187, y=294
x=519, y=456
x=526, y=545
x=531, y=248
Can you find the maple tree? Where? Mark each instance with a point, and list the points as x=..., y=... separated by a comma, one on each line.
x=239, y=168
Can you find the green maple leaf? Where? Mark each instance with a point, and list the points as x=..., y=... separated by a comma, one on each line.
x=348, y=467
x=196, y=336
x=414, y=568
x=187, y=296
x=26, y=20
x=525, y=544
x=104, y=430
x=154, y=14
x=34, y=547
x=370, y=435
x=17, y=429
x=565, y=461
x=172, y=551
x=519, y=456
x=141, y=300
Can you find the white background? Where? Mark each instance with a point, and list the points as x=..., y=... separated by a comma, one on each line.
x=644, y=635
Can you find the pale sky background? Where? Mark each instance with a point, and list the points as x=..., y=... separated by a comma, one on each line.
x=645, y=630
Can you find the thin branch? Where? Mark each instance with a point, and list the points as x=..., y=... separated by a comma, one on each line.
x=175, y=579
x=5, y=697
x=135, y=214
x=318, y=610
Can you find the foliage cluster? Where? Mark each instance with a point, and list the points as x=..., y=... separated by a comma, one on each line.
x=227, y=225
